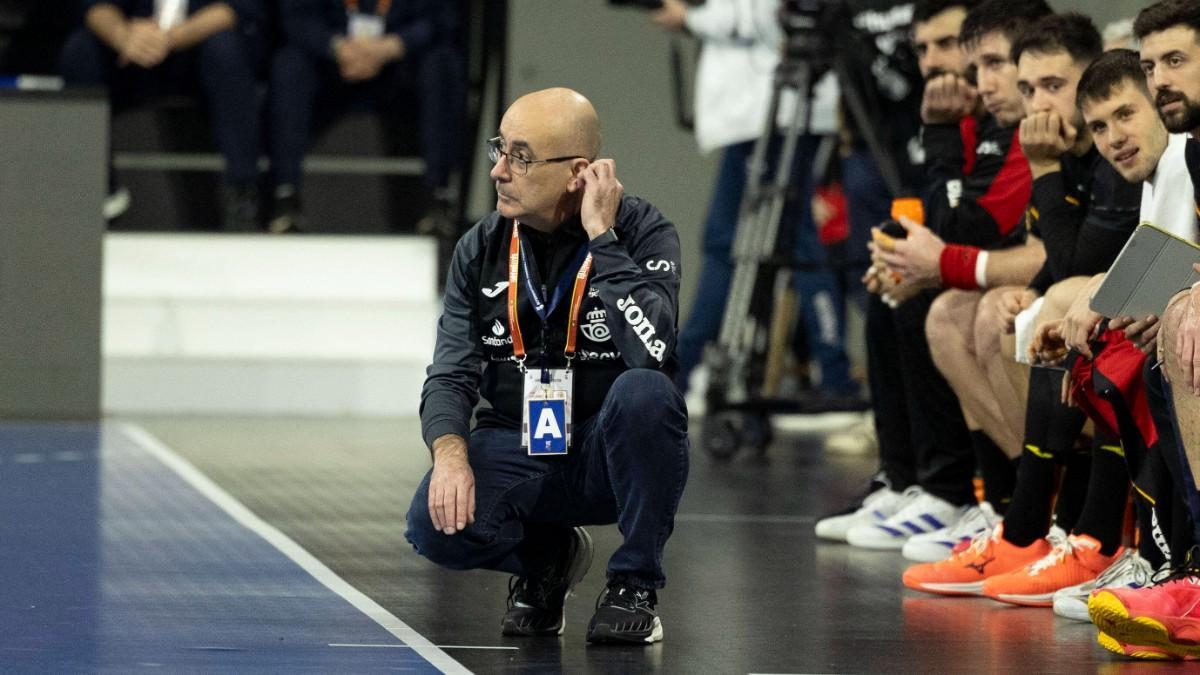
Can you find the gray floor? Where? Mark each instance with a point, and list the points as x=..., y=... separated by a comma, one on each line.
x=749, y=590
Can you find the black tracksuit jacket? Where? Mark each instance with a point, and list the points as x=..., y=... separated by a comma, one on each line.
x=627, y=320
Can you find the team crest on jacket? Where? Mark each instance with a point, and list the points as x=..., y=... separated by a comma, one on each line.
x=596, y=327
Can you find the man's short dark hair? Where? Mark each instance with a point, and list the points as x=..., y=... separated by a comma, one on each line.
x=924, y=10
x=1072, y=33
x=1009, y=17
x=1167, y=14
x=1114, y=68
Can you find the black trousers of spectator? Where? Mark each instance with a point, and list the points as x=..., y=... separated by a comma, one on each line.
x=224, y=64
x=923, y=438
x=301, y=83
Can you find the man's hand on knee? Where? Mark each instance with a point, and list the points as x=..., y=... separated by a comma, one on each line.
x=451, y=485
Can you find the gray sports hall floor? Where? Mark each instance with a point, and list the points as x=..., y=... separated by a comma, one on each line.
x=750, y=590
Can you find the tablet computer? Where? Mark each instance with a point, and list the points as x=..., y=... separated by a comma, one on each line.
x=1153, y=266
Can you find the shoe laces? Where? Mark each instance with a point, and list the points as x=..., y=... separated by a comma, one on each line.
x=627, y=597
x=1189, y=569
x=977, y=518
x=874, y=499
x=526, y=592
x=1061, y=548
x=1129, y=564
x=915, y=503
x=980, y=543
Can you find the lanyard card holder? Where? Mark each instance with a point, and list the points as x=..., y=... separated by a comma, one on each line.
x=546, y=413
x=365, y=25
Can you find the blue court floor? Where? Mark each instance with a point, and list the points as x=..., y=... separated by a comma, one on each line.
x=117, y=556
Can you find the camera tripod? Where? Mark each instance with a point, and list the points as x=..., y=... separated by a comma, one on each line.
x=744, y=361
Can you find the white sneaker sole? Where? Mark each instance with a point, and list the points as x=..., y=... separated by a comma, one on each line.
x=1072, y=608
x=1037, y=600
x=969, y=588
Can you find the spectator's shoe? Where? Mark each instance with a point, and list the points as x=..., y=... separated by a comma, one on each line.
x=116, y=203
x=1165, y=616
x=439, y=220
x=535, y=606
x=920, y=514
x=241, y=208
x=940, y=544
x=1130, y=570
x=1142, y=653
x=287, y=215
x=879, y=504
x=964, y=572
x=625, y=615
x=1073, y=560
x=859, y=439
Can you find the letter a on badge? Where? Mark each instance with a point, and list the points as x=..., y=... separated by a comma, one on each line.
x=547, y=425
x=548, y=420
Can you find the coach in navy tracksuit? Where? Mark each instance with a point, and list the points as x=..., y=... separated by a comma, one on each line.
x=341, y=51
x=564, y=242
x=139, y=48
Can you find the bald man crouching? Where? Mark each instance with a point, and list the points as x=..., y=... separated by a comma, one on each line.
x=560, y=311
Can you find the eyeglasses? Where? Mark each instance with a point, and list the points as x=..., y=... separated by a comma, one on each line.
x=519, y=165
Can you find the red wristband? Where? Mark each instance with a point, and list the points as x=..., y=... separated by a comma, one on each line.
x=958, y=267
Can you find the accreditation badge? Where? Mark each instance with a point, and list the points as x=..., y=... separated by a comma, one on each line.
x=365, y=25
x=546, y=412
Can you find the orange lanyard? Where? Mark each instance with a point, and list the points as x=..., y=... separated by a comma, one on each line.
x=514, y=326
x=381, y=8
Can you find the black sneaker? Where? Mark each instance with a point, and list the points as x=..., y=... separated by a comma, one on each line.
x=535, y=606
x=241, y=208
x=625, y=614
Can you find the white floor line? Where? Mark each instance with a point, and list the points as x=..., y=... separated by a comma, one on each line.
x=485, y=647
x=244, y=516
x=735, y=518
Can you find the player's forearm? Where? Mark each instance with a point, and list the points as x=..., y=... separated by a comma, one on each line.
x=200, y=26
x=1015, y=266
x=109, y=24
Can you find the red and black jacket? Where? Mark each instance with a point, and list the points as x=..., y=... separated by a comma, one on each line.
x=979, y=184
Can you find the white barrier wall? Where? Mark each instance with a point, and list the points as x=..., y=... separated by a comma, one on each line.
x=222, y=324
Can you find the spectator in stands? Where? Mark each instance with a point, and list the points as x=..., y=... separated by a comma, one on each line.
x=342, y=51
x=140, y=48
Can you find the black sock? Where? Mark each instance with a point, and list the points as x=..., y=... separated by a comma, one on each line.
x=998, y=472
x=1073, y=489
x=1028, y=515
x=1103, y=513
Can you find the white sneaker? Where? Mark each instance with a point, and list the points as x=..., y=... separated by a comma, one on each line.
x=939, y=544
x=1130, y=570
x=876, y=508
x=921, y=513
x=116, y=204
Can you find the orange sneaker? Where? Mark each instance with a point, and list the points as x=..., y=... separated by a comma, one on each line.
x=963, y=572
x=1074, y=560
